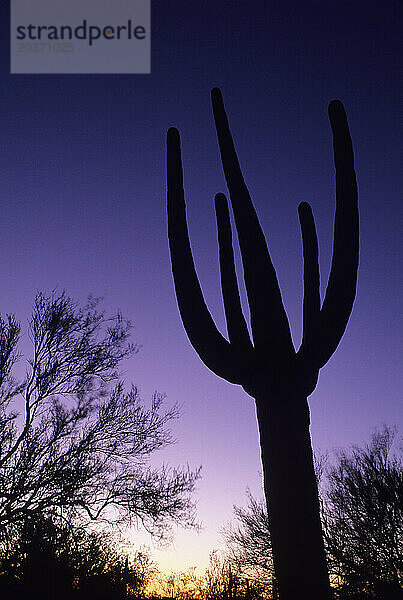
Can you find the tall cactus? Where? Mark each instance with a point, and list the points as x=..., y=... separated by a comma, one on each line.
x=267, y=366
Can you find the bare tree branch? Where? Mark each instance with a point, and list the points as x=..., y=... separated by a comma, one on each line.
x=84, y=444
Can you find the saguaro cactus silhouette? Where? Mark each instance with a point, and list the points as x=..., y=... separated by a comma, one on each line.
x=268, y=367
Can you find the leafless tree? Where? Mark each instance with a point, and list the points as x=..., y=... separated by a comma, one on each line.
x=363, y=520
x=226, y=579
x=81, y=448
x=248, y=543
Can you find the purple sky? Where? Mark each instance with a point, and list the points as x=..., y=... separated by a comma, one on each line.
x=83, y=208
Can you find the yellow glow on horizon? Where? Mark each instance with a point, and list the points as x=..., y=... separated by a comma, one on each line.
x=188, y=550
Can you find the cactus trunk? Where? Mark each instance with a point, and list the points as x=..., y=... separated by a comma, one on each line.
x=292, y=498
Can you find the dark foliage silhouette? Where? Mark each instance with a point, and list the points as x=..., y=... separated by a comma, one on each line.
x=54, y=560
x=79, y=453
x=363, y=520
x=248, y=543
x=268, y=367
x=223, y=579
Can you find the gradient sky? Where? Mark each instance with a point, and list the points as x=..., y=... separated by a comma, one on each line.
x=83, y=191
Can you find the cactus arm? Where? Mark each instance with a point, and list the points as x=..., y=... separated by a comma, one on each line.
x=268, y=318
x=311, y=301
x=210, y=345
x=236, y=325
x=341, y=287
